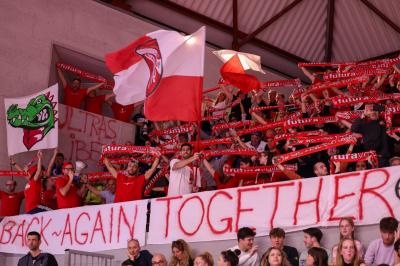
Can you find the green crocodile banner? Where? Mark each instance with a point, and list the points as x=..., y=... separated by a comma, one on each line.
x=31, y=121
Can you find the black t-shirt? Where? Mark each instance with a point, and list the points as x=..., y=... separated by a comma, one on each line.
x=43, y=259
x=292, y=254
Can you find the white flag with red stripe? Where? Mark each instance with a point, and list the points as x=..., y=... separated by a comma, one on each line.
x=165, y=69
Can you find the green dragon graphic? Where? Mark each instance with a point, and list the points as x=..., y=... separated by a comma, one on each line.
x=37, y=119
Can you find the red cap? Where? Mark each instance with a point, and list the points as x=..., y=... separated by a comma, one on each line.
x=66, y=164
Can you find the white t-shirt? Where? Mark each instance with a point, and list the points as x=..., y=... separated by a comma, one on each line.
x=260, y=148
x=246, y=259
x=181, y=181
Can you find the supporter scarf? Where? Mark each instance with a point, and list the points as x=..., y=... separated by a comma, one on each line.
x=381, y=63
x=316, y=139
x=213, y=117
x=336, y=84
x=128, y=159
x=339, y=101
x=310, y=121
x=326, y=64
x=236, y=124
x=254, y=170
x=169, y=151
x=99, y=176
x=287, y=136
x=353, y=157
x=260, y=128
x=349, y=115
x=173, y=130
x=209, y=142
x=309, y=150
x=295, y=115
x=281, y=83
x=258, y=109
x=85, y=74
x=389, y=112
x=115, y=149
x=153, y=180
x=240, y=151
x=351, y=74
x=13, y=173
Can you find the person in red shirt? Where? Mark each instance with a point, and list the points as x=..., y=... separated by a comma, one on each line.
x=94, y=103
x=66, y=191
x=33, y=187
x=121, y=112
x=48, y=196
x=74, y=94
x=10, y=200
x=130, y=185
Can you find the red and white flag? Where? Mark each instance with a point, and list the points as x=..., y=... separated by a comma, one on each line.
x=165, y=69
x=233, y=71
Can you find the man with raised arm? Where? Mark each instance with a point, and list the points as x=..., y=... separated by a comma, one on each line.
x=184, y=177
x=130, y=183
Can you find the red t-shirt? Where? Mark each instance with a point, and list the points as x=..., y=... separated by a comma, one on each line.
x=73, y=98
x=49, y=199
x=94, y=104
x=10, y=203
x=72, y=199
x=122, y=112
x=232, y=182
x=32, y=194
x=129, y=188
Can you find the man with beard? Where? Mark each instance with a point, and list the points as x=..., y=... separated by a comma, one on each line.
x=130, y=183
x=35, y=255
x=184, y=178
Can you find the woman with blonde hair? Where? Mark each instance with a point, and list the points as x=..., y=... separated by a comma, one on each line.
x=181, y=254
x=274, y=257
x=347, y=253
x=205, y=259
x=346, y=230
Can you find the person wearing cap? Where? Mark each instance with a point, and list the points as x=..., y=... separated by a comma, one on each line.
x=381, y=250
x=184, y=178
x=277, y=239
x=312, y=238
x=10, y=200
x=256, y=142
x=246, y=248
x=66, y=191
x=130, y=183
x=373, y=131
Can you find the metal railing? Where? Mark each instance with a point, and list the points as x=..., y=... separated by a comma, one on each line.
x=78, y=258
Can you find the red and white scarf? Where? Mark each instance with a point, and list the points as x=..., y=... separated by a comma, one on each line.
x=353, y=157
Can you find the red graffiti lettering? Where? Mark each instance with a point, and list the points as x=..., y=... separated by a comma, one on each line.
x=239, y=209
x=8, y=230
x=301, y=202
x=276, y=204
x=371, y=190
x=98, y=226
x=84, y=234
x=20, y=233
x=28, y=228
x=130, y=227
x=228, y=220
x=338, y=197
x=180, y=217
x=43, y=228
x=168, y=200
x=67, y=230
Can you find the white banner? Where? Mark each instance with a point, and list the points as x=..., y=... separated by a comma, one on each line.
x=89, y=228
x=366, y=196
x=32, y=121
